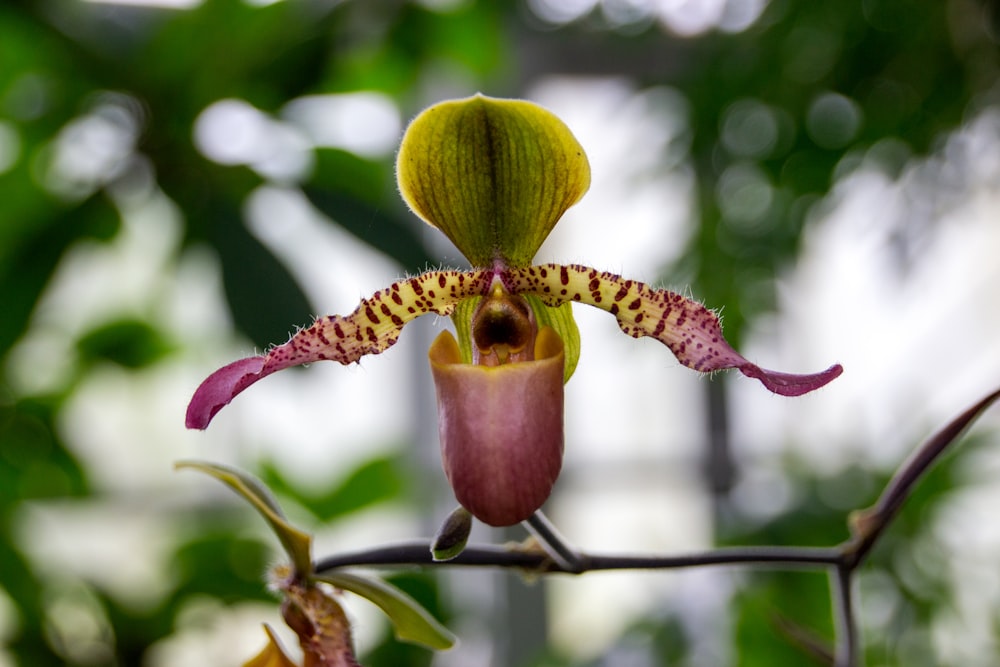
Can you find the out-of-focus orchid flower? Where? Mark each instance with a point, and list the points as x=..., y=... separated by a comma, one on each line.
x=495, y=176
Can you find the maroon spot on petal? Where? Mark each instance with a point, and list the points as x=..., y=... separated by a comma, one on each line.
x=660, y=326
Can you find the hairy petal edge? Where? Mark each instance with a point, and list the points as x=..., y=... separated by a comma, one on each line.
x=372, y=328
x=691, y=331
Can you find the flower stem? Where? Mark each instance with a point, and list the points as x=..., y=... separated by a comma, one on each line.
x=488, y=555
x=841, y=584
x=554, y=544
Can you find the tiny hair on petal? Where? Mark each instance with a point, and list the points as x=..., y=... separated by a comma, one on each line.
x=372, y=328
x=690, y=330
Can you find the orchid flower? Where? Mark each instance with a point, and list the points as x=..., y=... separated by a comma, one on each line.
x=495, y=176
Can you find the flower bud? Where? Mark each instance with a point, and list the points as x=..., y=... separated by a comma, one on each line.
x=453, y=535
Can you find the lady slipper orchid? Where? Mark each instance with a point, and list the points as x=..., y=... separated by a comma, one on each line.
x=495, y=176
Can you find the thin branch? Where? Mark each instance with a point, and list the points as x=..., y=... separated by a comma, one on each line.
x=418, y=553
x=868, y=525
x=842, y=589
x=555, y=544
x=795, y=557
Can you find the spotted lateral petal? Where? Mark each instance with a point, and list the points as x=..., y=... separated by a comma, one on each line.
x=689, y=329
x=372, y=328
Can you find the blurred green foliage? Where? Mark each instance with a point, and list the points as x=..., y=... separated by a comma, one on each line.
x=776, y=112
x=808, y=89
x=366, y=485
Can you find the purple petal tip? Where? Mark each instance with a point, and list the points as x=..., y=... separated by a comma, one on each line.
x=220, y=388
x=790, y=384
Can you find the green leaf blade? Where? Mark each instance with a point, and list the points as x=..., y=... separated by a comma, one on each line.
x=297, y=544
x=412, y=623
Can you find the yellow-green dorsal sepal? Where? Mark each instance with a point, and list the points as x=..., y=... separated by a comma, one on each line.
x=494, y=175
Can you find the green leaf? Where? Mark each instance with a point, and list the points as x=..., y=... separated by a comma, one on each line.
x=372, y=223
x=295, y=542
x=412, y=622
x=377, y=480
x=127, y=342
x=263, y=294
